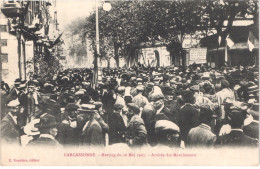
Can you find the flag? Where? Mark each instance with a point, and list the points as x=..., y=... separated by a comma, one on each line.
x=57, y=40
x=230, y=42
x=250, y=42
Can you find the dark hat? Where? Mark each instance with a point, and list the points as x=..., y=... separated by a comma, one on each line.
x=17, y=81
x=167, y=90
x=188, y=97
x=128, y=99
x=206, y=113
x=224, y=83
x=31, y=84
x=69, y=99
x=134, y=108
x=22, y=86
x=237, y=116
x=47, y=122
x=72, y=107
x=23, y=81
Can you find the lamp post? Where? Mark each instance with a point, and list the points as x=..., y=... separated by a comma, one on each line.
x=106, y=7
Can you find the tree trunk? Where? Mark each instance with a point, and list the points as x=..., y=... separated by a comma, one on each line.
x=108, y=63
x=116, y=47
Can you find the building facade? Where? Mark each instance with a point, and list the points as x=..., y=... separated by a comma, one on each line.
x=27, y=29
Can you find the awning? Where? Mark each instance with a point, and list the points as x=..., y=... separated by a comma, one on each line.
x=238, y=34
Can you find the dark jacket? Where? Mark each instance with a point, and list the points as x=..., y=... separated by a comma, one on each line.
x=136, y=131
x=174, y=107
x=252, y=130
x=238, y=139
x=117, y=128
x=189, y=118
x=67, y=135
x=92, y=134
x=9, y=131
x=44, y=142
x=152, y=139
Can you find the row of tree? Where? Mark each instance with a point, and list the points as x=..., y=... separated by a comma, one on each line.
x=130, y=23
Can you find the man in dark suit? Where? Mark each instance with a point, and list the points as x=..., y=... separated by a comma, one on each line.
x=160, y=112
x=3, y=103
x=92, y=133
x=13, y=94
x=117, y=126
x=48, y=129
x=69, y=130
x=202, y=136
x=136, y=132
x=10, y=132
x=237, y=138
x=189, y=115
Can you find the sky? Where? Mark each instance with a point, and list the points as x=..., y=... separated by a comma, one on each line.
x=69, y=10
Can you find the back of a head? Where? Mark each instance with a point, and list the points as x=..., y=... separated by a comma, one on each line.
x=224, y=84
x=236, y=118
x=47, y=122
x=206, y=114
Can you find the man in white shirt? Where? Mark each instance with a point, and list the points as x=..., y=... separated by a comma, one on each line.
x=223, y=94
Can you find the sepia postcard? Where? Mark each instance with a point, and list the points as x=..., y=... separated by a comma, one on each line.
x=129, y=83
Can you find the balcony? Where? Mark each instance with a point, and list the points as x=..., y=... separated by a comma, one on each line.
x=11, y=9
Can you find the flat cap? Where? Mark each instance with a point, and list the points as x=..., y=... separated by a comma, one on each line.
x=166, y=125
x=140, y=88
x=121, y=89
x=195, y=88
x=133, y=107
x=119, y=104
x=156, y=96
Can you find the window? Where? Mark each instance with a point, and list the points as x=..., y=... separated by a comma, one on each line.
x=4, y=57
x=3, y=42
x=3, y=28
x=5, y=72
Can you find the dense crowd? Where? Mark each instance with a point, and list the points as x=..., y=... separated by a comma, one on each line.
x=185, y=107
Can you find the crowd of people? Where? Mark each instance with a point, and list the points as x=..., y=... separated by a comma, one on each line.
x=181, y=107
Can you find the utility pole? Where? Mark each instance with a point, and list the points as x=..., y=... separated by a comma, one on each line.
x=97, y=53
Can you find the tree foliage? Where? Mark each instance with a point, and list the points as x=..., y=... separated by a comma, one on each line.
x=130, y=23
